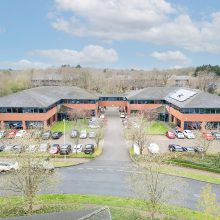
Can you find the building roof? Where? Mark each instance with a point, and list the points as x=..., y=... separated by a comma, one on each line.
x=199, y=100
x=44, y=96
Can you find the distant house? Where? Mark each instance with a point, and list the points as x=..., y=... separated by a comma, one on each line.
x=52, y=79
x=180, y=81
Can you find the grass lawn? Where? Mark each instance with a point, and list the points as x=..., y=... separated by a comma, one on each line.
x=157, y=128
x=64, y=163
x=69, y=125
x=121, y=207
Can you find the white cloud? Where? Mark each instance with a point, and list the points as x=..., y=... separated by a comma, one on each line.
x=154, y=21
x=91, y=54
x=171, y=56
x=22, y=64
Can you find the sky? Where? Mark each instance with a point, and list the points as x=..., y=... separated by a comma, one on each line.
x=125, y=34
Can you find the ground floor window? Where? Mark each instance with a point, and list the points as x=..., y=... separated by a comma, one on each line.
x=212, y=125
x=195, y=125
x=34, y=124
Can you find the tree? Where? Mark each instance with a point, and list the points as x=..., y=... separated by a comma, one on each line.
x=99, y=136
x=152, y=186
x=208, y=204
x=202, y=142
x=74, y=114
x=34, y=172
x=137, y=132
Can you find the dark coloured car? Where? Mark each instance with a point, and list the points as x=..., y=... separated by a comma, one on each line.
x=56, y=135
x=216, y=135
x=46, y=135
x=65, y=149
x=2, y=148
x=175, y=148
x=74, y=133
x=89, y=149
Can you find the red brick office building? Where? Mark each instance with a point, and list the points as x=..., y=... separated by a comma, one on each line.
x=42, y=105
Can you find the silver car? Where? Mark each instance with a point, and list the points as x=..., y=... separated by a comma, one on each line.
x=83, y=134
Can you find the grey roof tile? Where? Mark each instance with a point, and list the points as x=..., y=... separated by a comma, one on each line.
x=44, y=96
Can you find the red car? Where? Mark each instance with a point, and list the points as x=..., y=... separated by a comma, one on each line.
x=54, y=149
x=170, y=134
x=208, y=136
x=11, y=134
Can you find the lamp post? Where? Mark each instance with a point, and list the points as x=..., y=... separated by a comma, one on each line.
x=64, y=133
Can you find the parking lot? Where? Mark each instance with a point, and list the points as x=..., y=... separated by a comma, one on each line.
x=163, y=143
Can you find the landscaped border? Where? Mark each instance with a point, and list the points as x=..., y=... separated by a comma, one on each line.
x=190, y=173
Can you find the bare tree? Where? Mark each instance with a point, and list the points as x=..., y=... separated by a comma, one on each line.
x=33, y=173
x=204, y=144
x=137, y=132
x=74, y=114
x=99, y=136
x=152, y=186
x=208, y=205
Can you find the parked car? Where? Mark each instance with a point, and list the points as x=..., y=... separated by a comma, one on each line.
x=92, y=134
x=153, y=148
x=83, y=134
x=17, y=148
x=89, y=149
x=74, y=133
x=6, y=166
x=170, y=134
x=188, y=134
x=216, y=135
x=2, y=134
x=93, y=123
x=189, y=149
x=77, y=148
x=56, y=135
x=32, y=148
x=175, y=147
x=37, y=134
x=54, y=149
x=208, y=136
x=43, y=147
x=8, y=148
x=2, y=148
x=179, y=134
x=122, y=115
x=21, y=133
x=11, y=134
x=46, y=135
x=65, y=149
